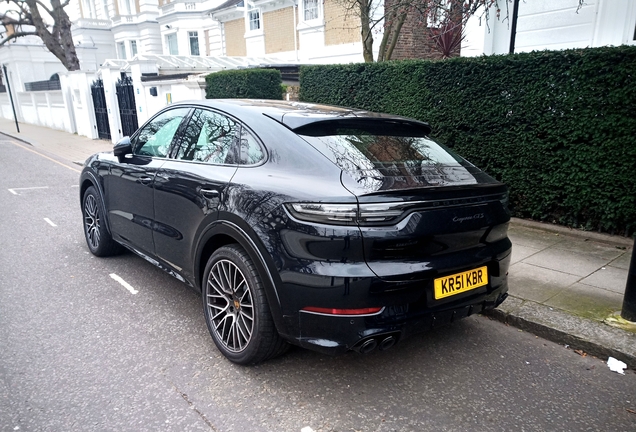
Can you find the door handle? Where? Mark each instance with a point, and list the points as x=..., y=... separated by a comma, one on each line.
x=145, y=180
x=210, y=193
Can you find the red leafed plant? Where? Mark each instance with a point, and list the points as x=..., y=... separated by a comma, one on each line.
x=448, y=38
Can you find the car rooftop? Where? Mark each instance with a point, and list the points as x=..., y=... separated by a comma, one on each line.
x=298, y=114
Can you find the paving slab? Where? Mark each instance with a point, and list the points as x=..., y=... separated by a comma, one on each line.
x=609, y=278
x=587, y=301
x=519, y=253
x=622, y=261
x=532, y=238
x=538, y=284
x=589, y=248
x=567, y=262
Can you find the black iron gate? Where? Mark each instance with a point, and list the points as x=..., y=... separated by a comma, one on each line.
x=127, y=107
x=101, y=111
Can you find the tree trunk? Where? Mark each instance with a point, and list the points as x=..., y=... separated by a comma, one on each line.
x=59, y=41
x=395, y=36
x=388, y=26
x=365, y=29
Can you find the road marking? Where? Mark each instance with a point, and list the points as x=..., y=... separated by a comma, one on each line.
x=124, y=283
x=13, y=190
x=48, y=221
x=44, y=156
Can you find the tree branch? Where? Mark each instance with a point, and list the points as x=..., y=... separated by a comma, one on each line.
x=50, y=12
x=17, y=35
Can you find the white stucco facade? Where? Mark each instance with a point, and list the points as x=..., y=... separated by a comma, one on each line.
x=553, y=25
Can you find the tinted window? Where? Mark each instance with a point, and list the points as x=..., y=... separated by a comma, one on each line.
x=209, y=137
x=382, y=157
x=250, y=151
x=355, y=149
x=155, y=138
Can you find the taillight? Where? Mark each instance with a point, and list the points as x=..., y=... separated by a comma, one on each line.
x=348, y=214
x=344, y=214
x=333, y=311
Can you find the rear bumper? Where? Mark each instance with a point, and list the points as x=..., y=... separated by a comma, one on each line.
x=407, y=308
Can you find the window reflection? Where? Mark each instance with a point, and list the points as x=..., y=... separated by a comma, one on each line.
x=385, y=160
x=155, y=138
x=209, y=137
x=250, y=151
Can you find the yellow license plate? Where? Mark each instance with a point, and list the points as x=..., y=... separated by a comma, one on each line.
x=460, y=282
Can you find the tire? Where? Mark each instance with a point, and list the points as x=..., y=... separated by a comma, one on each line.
x=98, y=239
x=236, y=309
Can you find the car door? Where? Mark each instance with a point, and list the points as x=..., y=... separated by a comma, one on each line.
x=129, y=189
x=190, y=187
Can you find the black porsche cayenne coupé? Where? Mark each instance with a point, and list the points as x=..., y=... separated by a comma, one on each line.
x=320, y=226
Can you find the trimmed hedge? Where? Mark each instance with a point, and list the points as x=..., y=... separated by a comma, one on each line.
x=559, y=127
x=244, y=83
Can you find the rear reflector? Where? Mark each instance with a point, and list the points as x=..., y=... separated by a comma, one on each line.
x=331, y=311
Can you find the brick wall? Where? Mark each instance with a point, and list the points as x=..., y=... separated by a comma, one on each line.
x=415, y=40
x=235, y=37
x=341, y=25
x=278, y=27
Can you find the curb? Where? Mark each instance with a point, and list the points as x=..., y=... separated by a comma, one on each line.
x=578, y=333
x=24, y=140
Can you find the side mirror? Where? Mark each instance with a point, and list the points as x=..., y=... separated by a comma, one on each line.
x=123, y=147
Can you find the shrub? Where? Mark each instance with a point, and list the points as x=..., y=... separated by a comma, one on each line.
x=244, y=83
x=557, y=127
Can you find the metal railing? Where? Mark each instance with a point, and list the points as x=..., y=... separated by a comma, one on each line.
x=42, y=85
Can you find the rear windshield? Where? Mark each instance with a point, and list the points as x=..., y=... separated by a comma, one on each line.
x=361, y=150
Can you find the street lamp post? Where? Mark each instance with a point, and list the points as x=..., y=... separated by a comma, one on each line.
x=15, y=117
x=629, y=300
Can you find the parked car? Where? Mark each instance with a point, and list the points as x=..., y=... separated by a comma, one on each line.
x=329, y=228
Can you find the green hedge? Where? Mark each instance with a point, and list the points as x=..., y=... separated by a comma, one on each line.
x=244, y=83
x=559, y=127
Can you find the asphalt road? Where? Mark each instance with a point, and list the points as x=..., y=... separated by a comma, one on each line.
x=80, y=352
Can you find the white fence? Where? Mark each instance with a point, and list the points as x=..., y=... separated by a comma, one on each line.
x=44, y=108
x=71, y=109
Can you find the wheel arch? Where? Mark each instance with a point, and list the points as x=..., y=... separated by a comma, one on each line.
x=225, y=232
x=88, y=179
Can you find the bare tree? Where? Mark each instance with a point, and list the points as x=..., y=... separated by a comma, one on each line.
x=444, y=20
x=33, y=18
x=448, y=17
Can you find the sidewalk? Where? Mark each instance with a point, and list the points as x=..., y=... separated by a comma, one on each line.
x=66, y=146
x=563, y=283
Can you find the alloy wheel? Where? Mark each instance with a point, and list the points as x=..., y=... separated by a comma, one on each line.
x=91, y=221
x=230, y=305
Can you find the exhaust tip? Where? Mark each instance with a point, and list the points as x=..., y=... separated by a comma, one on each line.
x=367, y=346
x=387, y=343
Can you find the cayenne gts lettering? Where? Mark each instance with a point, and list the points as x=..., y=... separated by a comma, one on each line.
x=467, y=218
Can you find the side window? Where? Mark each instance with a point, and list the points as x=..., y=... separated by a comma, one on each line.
x=209, y=137
x=250, y=151
x=155, y=138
